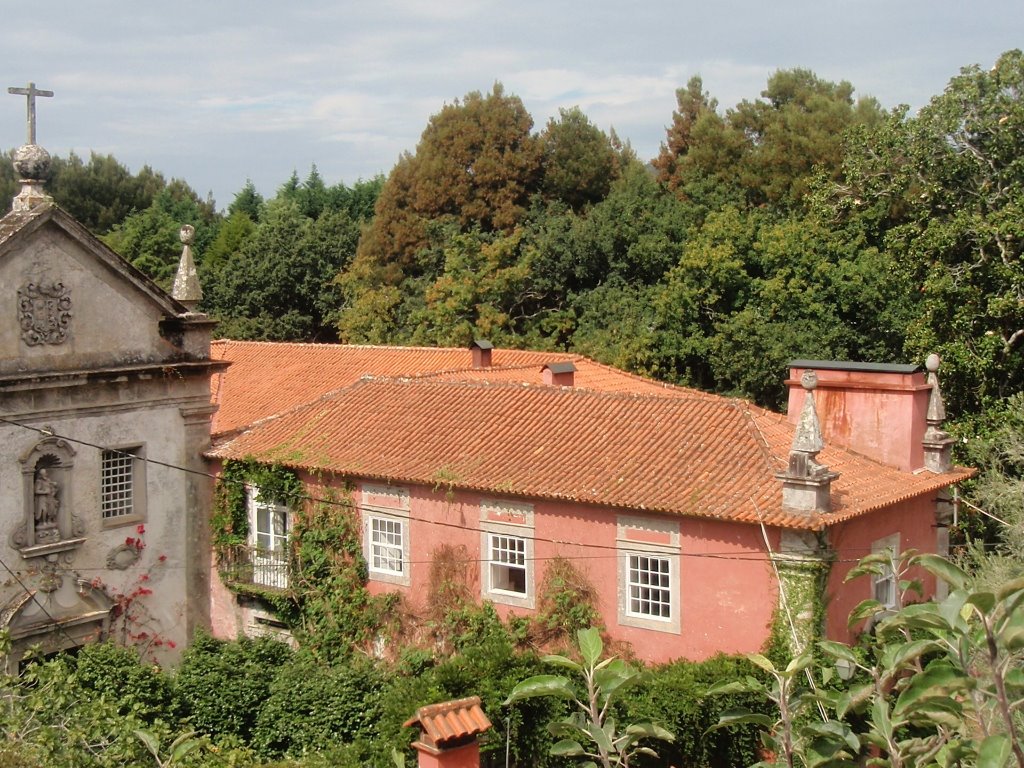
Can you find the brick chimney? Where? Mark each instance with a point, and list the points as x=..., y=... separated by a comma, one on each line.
x=481, y=349
x=448, y=733
x=875, y=409
x=559, y=374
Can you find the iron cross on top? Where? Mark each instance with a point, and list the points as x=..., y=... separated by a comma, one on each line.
x=31, y=92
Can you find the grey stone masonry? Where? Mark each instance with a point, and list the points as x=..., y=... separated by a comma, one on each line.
x=806, y=484
x=187, y=289
x=938, y=445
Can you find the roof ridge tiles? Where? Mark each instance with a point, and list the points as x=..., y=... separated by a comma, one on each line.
x=430, y=380
x=389, y=347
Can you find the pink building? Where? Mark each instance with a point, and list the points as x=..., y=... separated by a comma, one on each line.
x=681, y=508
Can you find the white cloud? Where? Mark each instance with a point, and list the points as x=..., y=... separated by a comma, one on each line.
x=218, y=92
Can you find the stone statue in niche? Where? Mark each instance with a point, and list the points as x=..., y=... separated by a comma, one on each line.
x=44, y=312
x=47, y=505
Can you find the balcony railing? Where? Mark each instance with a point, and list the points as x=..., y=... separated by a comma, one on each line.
x=252, y=565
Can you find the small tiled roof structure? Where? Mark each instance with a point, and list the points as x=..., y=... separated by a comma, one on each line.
x=673, y=452
x=449, y=724
x=266, y=378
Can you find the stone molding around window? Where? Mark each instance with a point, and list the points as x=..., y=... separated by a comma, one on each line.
x=112, y=482
x=385, y=510
x=646, y=540
x=507, y=526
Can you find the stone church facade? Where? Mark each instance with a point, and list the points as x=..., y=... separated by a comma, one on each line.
x=104, y=415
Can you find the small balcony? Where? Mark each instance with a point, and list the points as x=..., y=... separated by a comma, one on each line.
x=254, y=565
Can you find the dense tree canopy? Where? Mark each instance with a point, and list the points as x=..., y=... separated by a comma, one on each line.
x=943, y=194
x=100, y=193
x=763, y=152
x=806, y=222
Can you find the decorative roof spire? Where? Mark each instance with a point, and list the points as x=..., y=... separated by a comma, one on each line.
x=806, y=484
x=938, y=445
x=31, y=161
x=186, y=282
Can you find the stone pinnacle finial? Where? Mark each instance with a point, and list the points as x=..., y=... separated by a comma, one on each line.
x=808, y=430
x=938, y=445
x=806, y=484
x=186, y=282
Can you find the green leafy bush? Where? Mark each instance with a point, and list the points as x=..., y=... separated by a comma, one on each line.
x=673, y=695
x=117, y=674
x=222, y=686
x=311, y=706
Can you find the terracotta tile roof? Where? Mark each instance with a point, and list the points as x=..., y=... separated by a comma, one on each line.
x=266, y=378
x=693, y=455
x=449, y=723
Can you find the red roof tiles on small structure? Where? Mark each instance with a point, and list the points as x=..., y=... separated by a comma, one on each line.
x=450, y=723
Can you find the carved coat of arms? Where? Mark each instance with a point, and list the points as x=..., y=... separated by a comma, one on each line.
x=44, y=312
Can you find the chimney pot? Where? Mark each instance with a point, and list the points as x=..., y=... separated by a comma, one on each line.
x=562, y=374
x=448, y=733
x=481, y=349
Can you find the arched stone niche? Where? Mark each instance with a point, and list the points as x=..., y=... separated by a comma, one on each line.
x=71, y=616
x=50, y=523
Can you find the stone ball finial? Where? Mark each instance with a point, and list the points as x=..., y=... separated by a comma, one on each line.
x=932, y=363
x=809, y=381
x=187, y=234
x=32, y=162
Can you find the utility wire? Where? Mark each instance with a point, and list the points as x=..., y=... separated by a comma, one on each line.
x=752, y=556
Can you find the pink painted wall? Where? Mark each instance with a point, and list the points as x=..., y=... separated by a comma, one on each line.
x=914, y=520
x=726, y=595
x=877, y=414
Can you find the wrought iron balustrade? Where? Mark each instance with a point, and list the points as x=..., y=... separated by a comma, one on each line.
x=254, y=565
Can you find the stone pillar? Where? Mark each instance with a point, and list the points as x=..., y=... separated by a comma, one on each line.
x=198, y=506
x=938, y=445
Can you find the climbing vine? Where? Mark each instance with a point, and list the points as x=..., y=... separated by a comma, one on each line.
x=326, y=603
x=805, y=584
x=230, y=519
x=335, y=612
x=566, y=604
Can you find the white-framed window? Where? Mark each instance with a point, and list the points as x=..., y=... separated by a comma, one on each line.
x=387, y=546
x=649, y=586
x=506, y=542
x=122, y=485
x=883, y=585
x=268, y=526
x=386, y=532
x=648, y=556
x=508, y=568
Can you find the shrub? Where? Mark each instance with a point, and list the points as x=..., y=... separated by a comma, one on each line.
x=673, y=695
x=222, y=685
x=116, y=672
x=312, y=706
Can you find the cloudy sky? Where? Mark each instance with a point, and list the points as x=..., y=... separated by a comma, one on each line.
x=220, y=91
